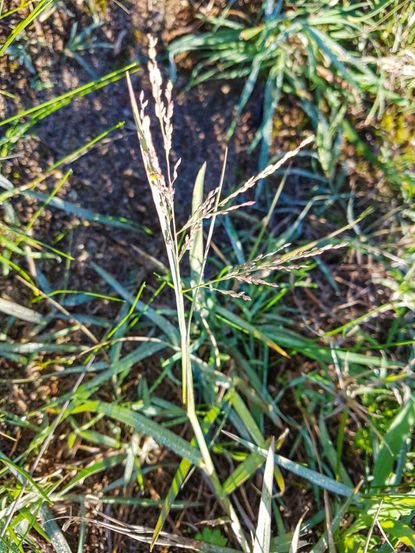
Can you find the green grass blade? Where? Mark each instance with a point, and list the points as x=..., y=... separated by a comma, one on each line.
x=144, y=425
x=249, y=329
x=99, y=466
x=53, y=531
x=247, y=418
x=21, y=26
x=7, y=546
x=401, y=427
x=43, y=110
x=320, y=480
x=322, y=543
x=23, y=476
x=49, y=198
x=263, y=531
x=246, y=92
x=83, y=213
x=243, y=471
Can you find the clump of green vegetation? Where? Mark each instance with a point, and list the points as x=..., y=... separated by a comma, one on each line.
x=334, y=58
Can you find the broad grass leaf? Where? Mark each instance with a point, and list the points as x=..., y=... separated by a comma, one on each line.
x=247, y=418
x=251, y=426
x=401, y=427
x=313, y=350
x=143, y=425
x=196, y=250
x=23, y=313
x=53, y=531
x=400, y=531
x=243, y=471
x=314, y=477
x=262, y=540
x=320, y=480
x=178, y=479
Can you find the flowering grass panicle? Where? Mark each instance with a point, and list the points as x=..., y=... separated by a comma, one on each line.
x=190, y=239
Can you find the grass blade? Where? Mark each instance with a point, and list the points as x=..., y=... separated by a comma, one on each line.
x=53, y=531
x=263, y=531
x=242, y=472
x=23, y=313
x=196, y=250
x=144, y=425
x=401, y=427
x=21, y=26
x=167, y=328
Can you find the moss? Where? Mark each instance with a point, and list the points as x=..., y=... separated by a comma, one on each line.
x=398, y=126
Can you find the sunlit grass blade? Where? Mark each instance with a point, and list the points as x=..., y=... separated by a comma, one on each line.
x=41, y=6
x=147, y=311
x=23, y=476
x=262, y=540
x=98, y=466
x=196, y=249
x=49, y=198
x=250, y=329
x=296, y=537
x=243, y=472
x=46, y=108
x=144, y=425
x=20, y=312
x=53, y=531
x=320, y=480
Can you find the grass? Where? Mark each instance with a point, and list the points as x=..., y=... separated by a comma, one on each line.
x=336, y=60
x=224, y=387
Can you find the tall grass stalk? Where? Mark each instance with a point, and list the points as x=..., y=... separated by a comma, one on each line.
x=162, y=186
x=164, y=203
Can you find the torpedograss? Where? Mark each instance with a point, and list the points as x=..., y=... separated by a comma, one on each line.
x=162, y=189
x=255, y=326
x=189, y=238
